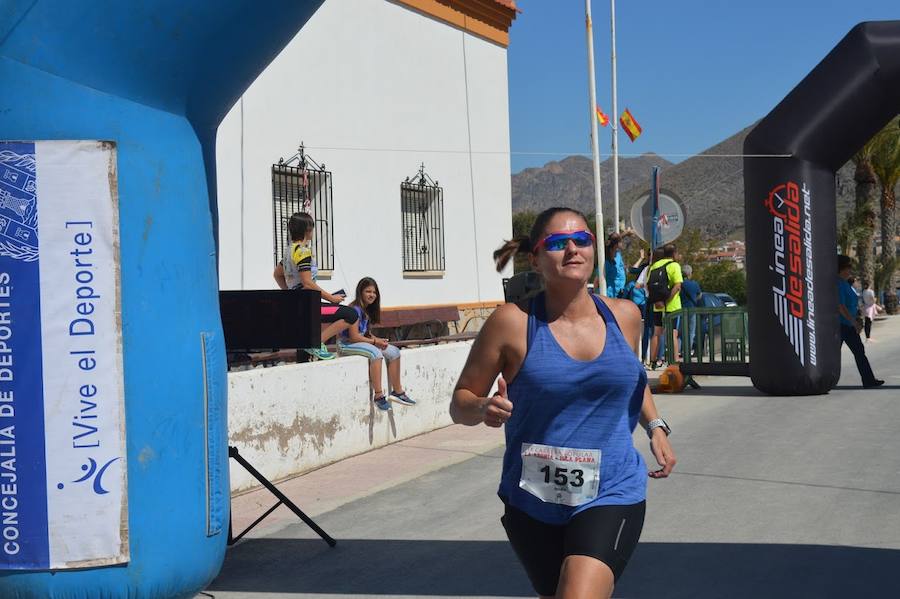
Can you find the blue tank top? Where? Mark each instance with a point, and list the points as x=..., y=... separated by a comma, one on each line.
x=562, y=402
x=363, y=324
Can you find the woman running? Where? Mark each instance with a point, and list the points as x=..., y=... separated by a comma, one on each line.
x=573, y=485
x=359, y=341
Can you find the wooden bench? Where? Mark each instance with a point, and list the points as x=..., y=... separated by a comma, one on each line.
x=397, y=324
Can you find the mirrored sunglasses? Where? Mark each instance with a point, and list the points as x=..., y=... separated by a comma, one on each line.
x=555, y=242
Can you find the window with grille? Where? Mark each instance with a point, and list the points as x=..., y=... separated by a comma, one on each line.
x=304, y=189
x=422, y=208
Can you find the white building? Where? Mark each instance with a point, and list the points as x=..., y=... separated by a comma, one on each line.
x=375, y=88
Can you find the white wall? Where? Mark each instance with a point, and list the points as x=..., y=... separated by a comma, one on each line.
x=374, y=75
x=290, y=419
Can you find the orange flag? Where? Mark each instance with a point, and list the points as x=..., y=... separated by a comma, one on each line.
x=602, y=118
x=630, y=125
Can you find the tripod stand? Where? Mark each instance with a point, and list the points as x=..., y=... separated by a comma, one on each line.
x=282, y=499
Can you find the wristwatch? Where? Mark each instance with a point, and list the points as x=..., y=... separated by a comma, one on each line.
x=658, y=423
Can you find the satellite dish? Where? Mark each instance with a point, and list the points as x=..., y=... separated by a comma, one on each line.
x=672, y=217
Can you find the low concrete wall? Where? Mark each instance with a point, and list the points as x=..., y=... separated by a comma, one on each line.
x=289, y=419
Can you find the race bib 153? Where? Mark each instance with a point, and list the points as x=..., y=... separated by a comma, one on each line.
x=561, y=475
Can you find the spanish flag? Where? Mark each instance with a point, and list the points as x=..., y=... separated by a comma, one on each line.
x=602, y=118
x=630, y=125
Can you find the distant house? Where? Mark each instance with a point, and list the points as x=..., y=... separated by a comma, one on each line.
x=402, y=107
x=730, y=251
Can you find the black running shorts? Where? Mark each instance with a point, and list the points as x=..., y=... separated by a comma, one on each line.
x=608, y=533
x=335, y=312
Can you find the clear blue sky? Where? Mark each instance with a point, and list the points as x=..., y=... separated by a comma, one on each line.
x=692, y=72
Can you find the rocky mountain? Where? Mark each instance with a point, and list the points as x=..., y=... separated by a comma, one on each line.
x=711, y=185
x=570, y=182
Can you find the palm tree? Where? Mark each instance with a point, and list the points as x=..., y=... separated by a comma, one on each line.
x=865, y=209
x=885, y=160
x=850, y=231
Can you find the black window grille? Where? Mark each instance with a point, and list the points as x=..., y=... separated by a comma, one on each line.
x=304, y=187
x=422, y=207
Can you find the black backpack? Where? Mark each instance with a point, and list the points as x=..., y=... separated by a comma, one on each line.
x=658, y=283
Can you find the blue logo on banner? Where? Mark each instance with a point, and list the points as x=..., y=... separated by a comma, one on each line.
x=18, y=203
x=90, y=469
x=23, y=473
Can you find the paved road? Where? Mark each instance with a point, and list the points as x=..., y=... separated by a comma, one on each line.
x=773, y=497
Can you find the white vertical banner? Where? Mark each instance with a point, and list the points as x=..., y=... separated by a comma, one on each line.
x=67, y=406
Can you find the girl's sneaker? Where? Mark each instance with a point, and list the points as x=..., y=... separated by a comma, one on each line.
x=382, y=403
x=402, y=398
x=321, y=353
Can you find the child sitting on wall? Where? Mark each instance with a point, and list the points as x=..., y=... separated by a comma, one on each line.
x=298, y=271
x=358, y=340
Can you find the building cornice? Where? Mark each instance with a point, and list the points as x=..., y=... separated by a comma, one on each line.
x=488, y=19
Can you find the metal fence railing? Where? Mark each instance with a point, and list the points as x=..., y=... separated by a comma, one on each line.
x=712, y=341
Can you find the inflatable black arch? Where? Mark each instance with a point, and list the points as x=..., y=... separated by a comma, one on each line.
x=790, y=207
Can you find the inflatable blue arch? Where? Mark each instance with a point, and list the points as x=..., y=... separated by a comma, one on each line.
x=155, y=78
x=790, y=207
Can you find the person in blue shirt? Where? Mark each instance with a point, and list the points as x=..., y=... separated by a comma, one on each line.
x=690, y=298
x=614, y=267
x=848, y=306
x=573, y=485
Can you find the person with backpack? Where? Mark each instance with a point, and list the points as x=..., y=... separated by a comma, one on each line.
x=643, y=268
x=663, y=292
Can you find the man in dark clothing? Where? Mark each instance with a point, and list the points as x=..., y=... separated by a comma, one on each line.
x=690, y=298
x=848, y=306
